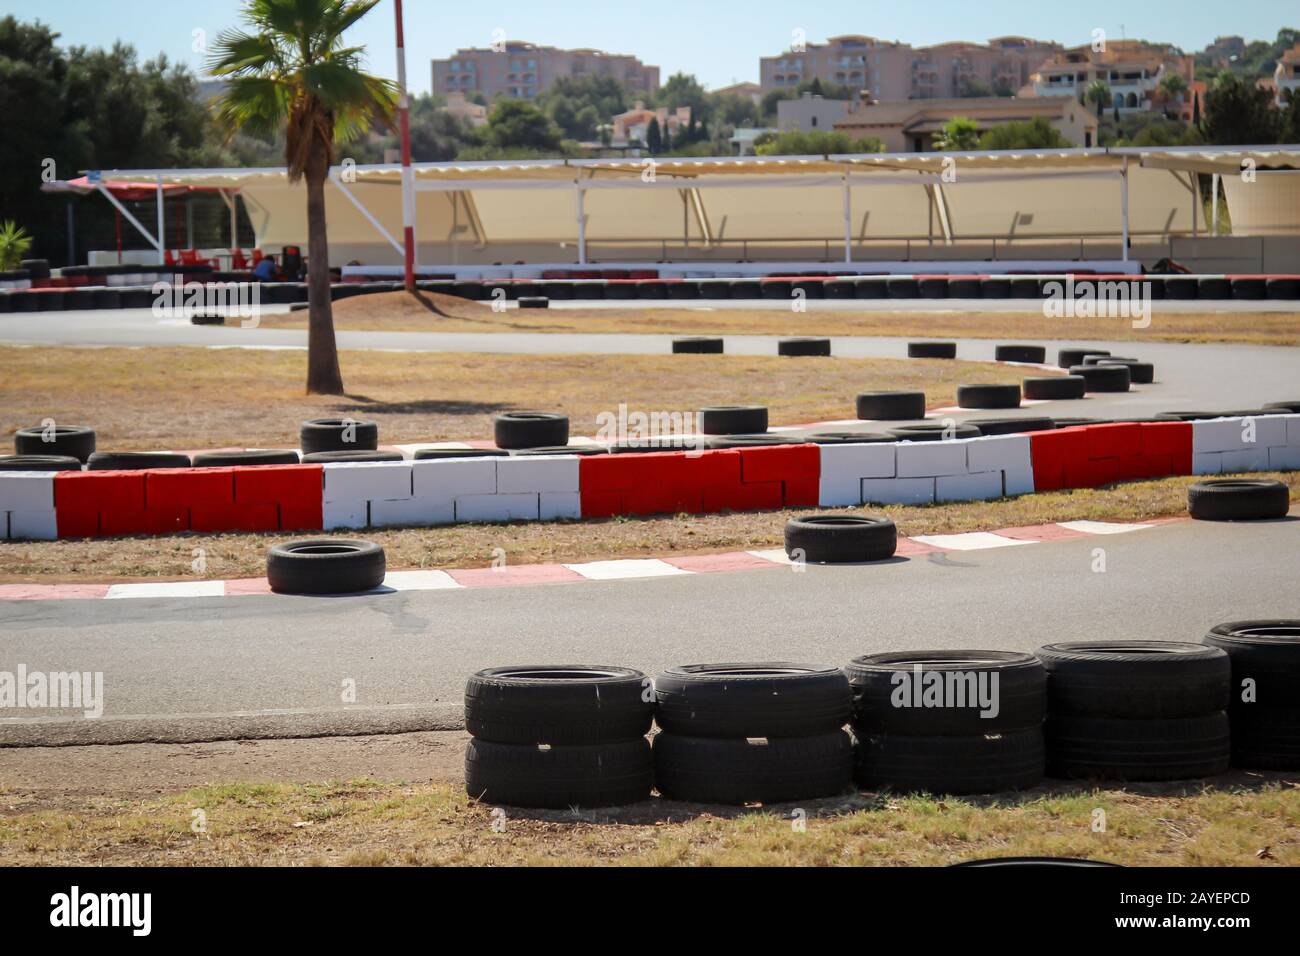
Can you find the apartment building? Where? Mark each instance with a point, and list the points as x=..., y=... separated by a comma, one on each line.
x=522, y=70
x=1130, y=68
x=898, y=71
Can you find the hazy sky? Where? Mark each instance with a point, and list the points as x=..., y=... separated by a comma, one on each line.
x=719, y=42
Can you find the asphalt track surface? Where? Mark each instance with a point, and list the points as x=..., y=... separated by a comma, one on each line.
x=212, y=668
x=217, y=668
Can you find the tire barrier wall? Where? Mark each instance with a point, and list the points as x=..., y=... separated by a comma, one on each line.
x=139, y=282
x=354, y=495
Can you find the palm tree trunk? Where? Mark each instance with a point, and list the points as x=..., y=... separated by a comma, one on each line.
x=323, y=375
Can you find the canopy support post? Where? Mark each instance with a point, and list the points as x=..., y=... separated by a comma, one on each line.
x=1123, y=203
x=848, y=220
x=582, y=225
x=1214, y=208
x=126, y=213
x=162, y=226
x=379, y=226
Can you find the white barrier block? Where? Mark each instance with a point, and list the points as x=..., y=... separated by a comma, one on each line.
x=4, y=526
x=560, y=504
x=1228, y=434
x=1009, y=454
x=1284, y=457
x=345, y=514
x=452, y=477
x=981, y=487
x=1208, y=463
x=498, y=507
x=877, y=460
x=1248, y=459
x=537, y=473
x=1293, y=430
x=839, y=492
x=33, y=525
x=898, y=491
x=26, y=490
x=416, y=512
x=928, y=459
x=367, y=480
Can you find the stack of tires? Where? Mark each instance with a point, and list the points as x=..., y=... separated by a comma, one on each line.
x=1264, y=704
x=752, y=733
x=948, y=722
x=557, y=736
x=1136, y=710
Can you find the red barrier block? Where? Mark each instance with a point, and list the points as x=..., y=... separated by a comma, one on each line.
x=1166, y=438
x=1118, y=440
x=146, y=521
x=1091, y=473
x=704, y=469
x=803, y=492
x=278, y=484
x=86, y=491
x=235, y=517
x=1051, y=451
x=600, y=504
x=304, y=516
x=780, y=463
x=187, y=487
x=750, y=496
x=662, y=501
x=75, y=522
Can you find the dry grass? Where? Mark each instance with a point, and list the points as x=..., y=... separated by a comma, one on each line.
x=1241, y=820
x=396, y=312
x=470, y=546
x=186, y=398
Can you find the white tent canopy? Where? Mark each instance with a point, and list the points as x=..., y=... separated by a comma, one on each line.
x=846, y=208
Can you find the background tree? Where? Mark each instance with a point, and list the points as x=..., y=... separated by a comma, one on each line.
x=1239, y=113
x=520, y=123
x=1036, y=133
x=959, y=134
x=654, y=140
x=293, y=72
x=814, y=143
x=1098, y=94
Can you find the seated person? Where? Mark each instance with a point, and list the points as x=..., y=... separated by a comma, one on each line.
x=265, y=270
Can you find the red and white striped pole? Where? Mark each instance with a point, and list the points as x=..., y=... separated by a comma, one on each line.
x=408, y=175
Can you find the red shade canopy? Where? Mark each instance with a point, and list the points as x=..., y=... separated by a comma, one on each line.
x=127, y=191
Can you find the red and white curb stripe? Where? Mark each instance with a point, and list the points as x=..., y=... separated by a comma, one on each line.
x=625, y=569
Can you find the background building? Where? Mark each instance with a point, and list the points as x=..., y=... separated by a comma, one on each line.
x=810, y=112
x=898, y=71
x=911, y=126
x=522, y=70
x=1286, y=78
x=1130, y=69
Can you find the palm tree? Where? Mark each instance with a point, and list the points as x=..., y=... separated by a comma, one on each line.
x=293, y=73
x=1097, y=93
x=15, y=243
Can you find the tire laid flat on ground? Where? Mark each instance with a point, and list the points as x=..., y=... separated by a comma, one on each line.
x=324, y=457
x=1055, y=387
x=586, y=775
x=733, y=420
x=1067, y=358
x=1135, y=679
x=1030, y=354
x=838, y=539
x=697, y=346
x=934, y=431
x=338, y=434
x=558, y=704
x=889, y=693
x=983, y=763
x=433, y=454
x=1140, y=373
x=325, y=566
x=988, y=396
x=530, y=429
x=135, y=461
x=1012, y=426
x=219, y=459
x=1038, y=862
x=74, y=441
x=39, y=463
x=562, y=450
x=935, y=350
x=737, y=771
x=847, y=438
x=1265, y=656
x=890, y=406
x=1099, y=748
x=1103, y=378
x=1239, y=499
x=803, y=347
x=772, y=699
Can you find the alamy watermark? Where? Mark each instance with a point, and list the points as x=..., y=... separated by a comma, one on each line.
x=650, y=430
x=179, y=299
x=24, y=689
x=947, y=689
x=1098, y=299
